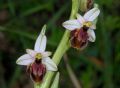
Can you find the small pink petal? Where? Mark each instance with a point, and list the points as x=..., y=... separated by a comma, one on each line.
x=80, y=19
x=46, y=54
x=32, y=53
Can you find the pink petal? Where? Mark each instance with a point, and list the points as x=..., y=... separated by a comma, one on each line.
x=32, y=53
x=80, y=19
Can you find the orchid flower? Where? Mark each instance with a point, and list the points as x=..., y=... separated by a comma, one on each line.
x=82, y=28
x=38, y=60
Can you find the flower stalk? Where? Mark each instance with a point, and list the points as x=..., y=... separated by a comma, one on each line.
x=36, y=85
x=62, y=48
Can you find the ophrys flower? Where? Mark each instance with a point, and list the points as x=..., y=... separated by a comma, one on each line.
x=38, y=60
x=82, y=28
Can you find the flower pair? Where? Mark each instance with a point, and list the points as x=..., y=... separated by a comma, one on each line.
x=38, y=60
x=82, y=28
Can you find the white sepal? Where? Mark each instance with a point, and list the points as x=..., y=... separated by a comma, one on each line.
x=25, y=59
x=91, y=35
x=40, y=43
x=50, y=65
x=92, y=14
x=72, y=24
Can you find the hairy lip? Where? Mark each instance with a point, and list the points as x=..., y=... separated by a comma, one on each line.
x=37, y=71
x=79, y=38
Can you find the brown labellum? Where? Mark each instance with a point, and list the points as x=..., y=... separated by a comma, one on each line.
x=37, y=71
x=79, y=38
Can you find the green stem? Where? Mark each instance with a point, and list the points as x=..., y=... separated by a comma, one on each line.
x=36, y=85
x=62, y=48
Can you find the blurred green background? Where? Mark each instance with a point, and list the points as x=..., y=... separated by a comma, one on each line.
x=20, y=23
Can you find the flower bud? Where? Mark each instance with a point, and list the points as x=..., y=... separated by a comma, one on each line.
x=85, y=5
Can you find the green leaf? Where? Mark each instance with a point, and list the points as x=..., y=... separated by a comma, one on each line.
x=56, y=81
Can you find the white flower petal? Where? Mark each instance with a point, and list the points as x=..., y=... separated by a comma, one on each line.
x=25, y=59
x=40, y=43
x=50, y=65
x=32, y=53
x=91, y=14
x=46, y=54
x=91, y=35
x=71, y=24
x=80, y=19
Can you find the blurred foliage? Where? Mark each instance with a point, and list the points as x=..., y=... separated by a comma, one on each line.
x=20, y=23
